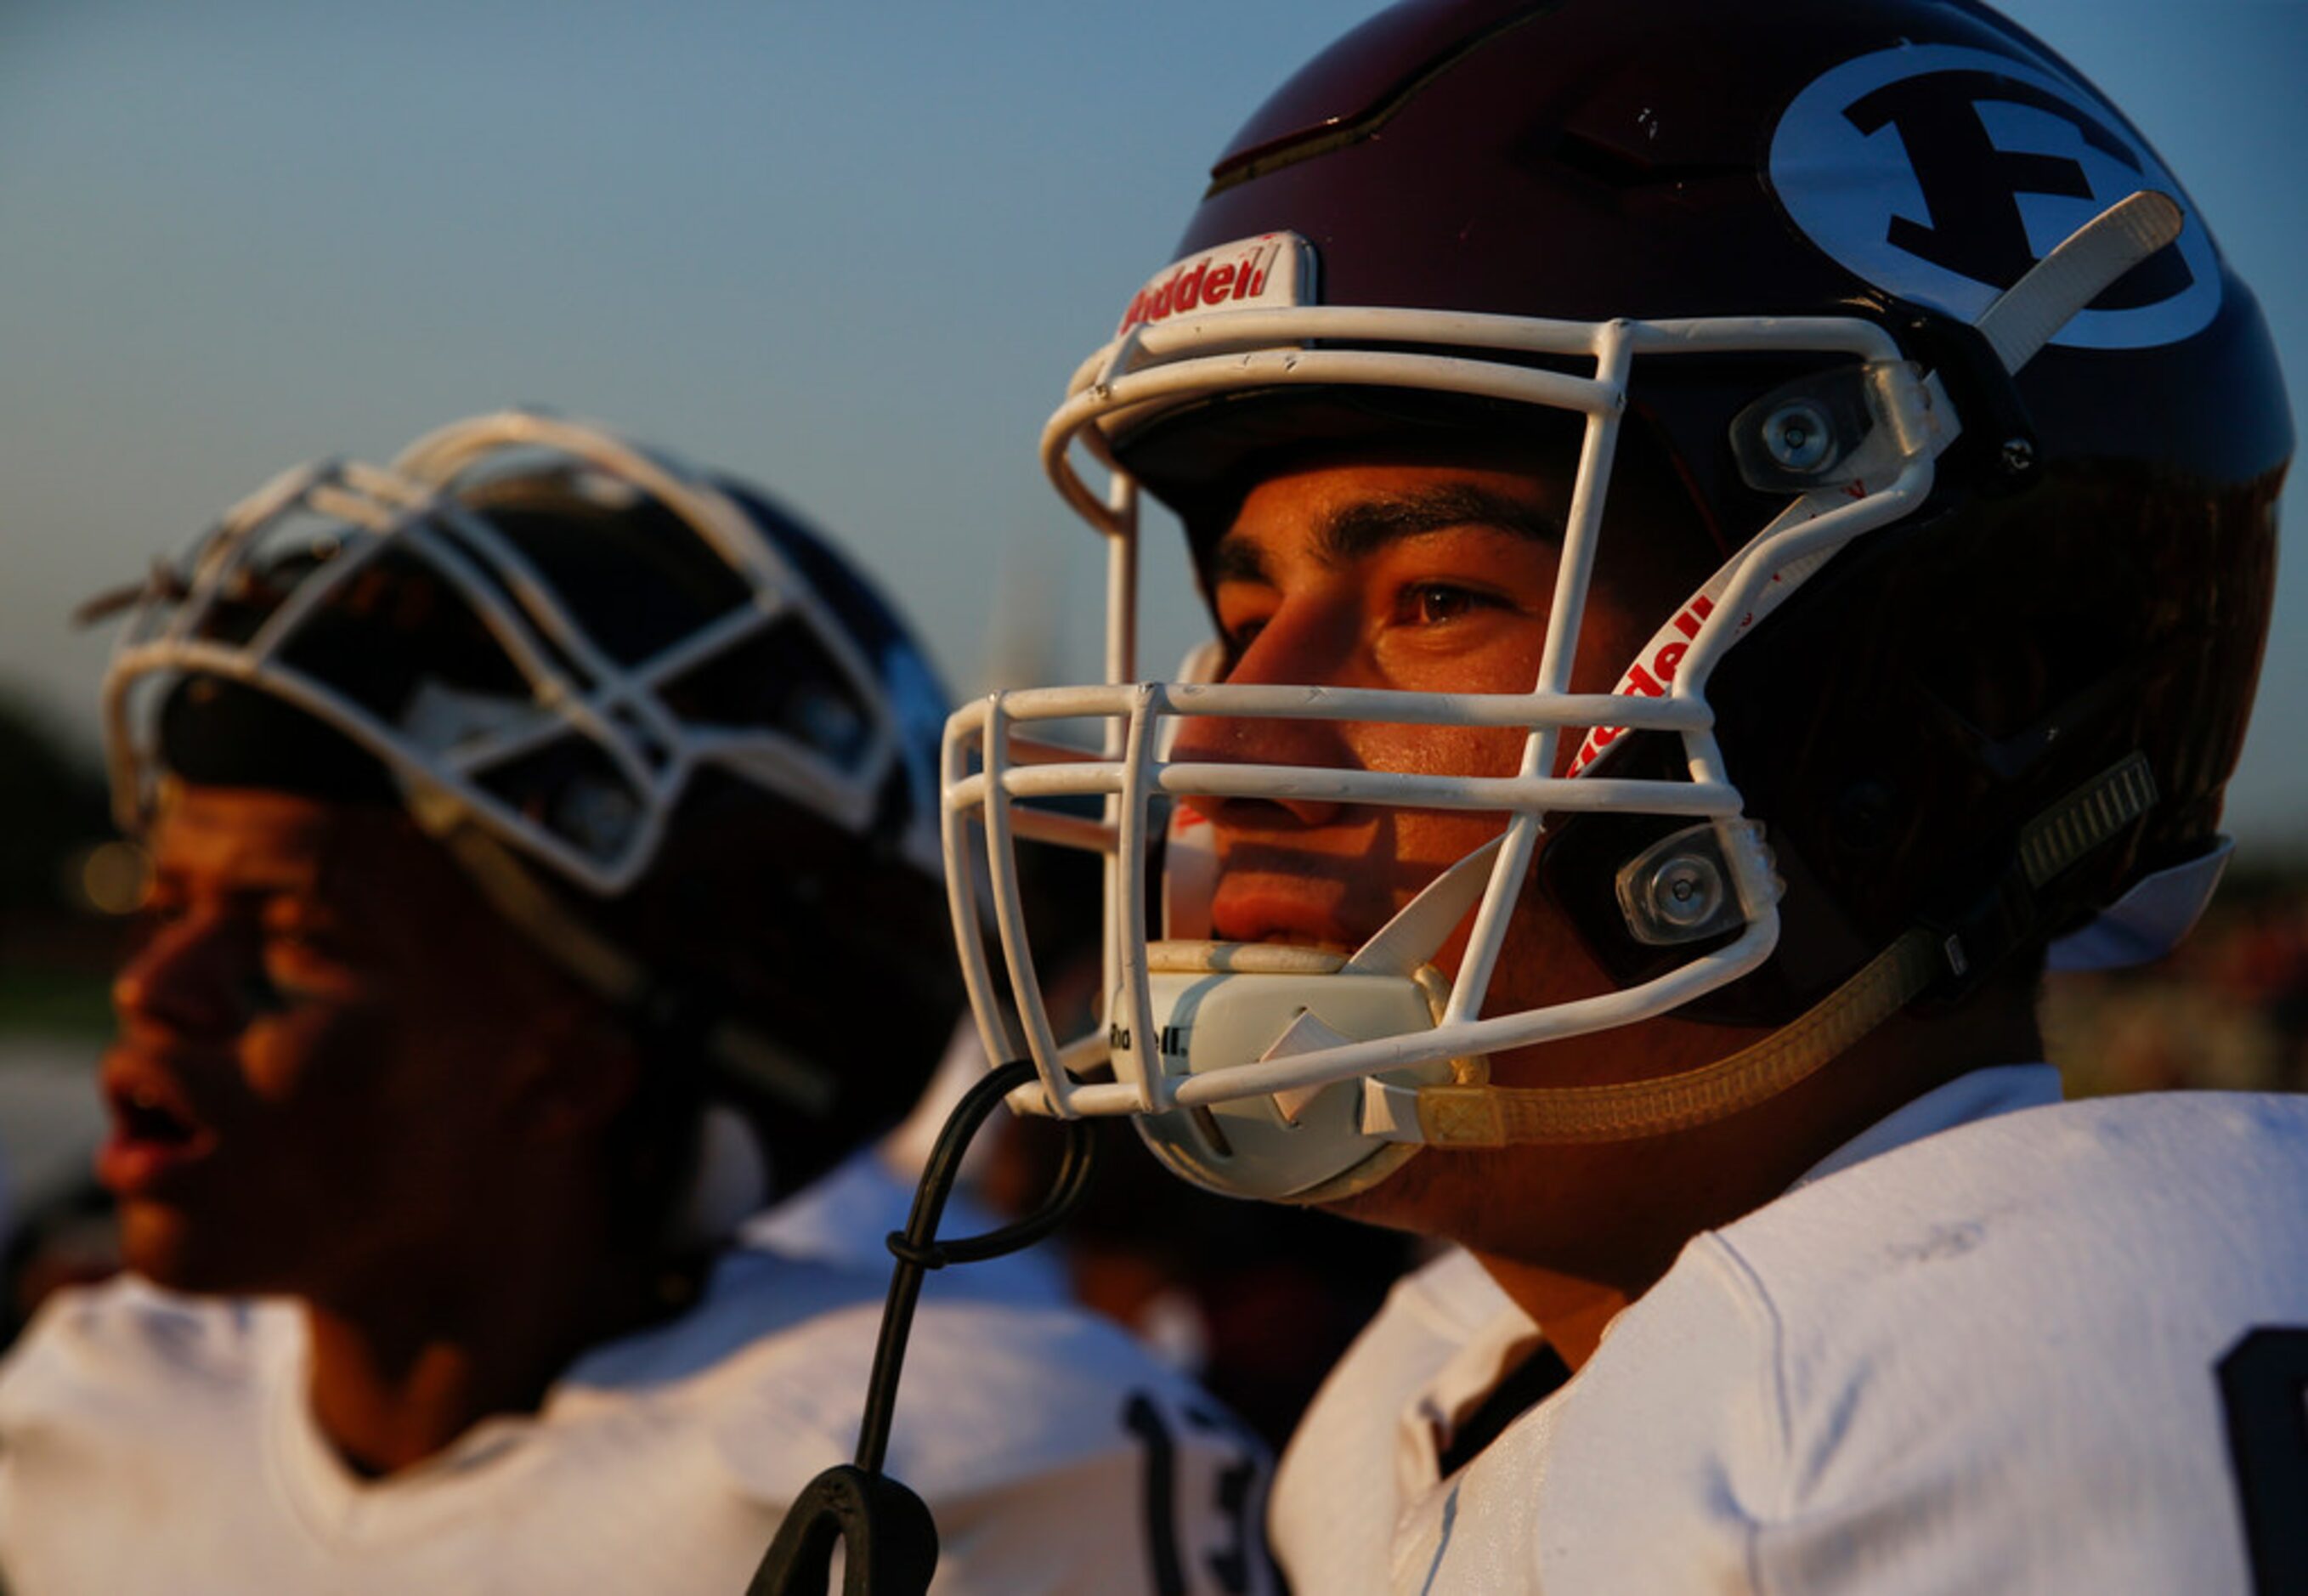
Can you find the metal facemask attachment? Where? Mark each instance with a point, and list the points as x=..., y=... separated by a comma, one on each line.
x=1297, y=1074
x=626, y=728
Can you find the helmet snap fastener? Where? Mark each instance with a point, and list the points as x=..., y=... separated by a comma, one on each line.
x=1681, y=888
x=1686, y=891
x=1799, y=436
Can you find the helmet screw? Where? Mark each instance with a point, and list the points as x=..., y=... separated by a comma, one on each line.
x=1799, y=437
x=1686, y=889
x=2018, y=456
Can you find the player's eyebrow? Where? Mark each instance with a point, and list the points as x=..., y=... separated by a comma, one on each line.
x=1236, y=559
x=1369, y=525
x=1363, y=527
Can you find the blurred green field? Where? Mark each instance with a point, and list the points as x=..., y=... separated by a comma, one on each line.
x=55, y=1003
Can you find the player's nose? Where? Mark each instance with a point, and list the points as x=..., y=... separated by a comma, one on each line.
x=184, y=979
x=1298, y=647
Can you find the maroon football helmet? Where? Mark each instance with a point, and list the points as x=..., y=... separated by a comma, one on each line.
x=1886, y=264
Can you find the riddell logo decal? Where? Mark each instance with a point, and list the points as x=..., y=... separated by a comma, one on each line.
x=1651, y=676
x=1254, y=272
x=1170, y=1040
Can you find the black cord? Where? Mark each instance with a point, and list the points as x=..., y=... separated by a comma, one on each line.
x=890, y=1538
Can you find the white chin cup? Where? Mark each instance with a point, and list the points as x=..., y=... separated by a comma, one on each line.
x=1301, y=1147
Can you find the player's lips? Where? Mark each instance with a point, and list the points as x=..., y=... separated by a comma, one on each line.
x=1250, y=913
x=157, y=1133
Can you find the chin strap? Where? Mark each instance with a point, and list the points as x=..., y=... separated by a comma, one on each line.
x=1952, y=952
x=1496, y=1116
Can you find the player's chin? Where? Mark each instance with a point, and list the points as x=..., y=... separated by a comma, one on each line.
x=1403, y=1201
x=180, y=1249
x=1438, y=1192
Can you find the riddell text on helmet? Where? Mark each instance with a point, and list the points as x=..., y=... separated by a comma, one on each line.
x=1237, y=273
x=1650, y=675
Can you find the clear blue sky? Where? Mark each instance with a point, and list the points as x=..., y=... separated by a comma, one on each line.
x=850, y=251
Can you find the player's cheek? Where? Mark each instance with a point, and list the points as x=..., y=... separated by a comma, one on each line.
x=1494, y=644
x=317, y=1046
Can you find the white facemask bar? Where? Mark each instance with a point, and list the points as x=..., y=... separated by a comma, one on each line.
x=1914, y=426
x=410, y=508
x=1215, y=354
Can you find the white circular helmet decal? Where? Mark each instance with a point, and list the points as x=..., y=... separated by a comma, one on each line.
x=1941, y=174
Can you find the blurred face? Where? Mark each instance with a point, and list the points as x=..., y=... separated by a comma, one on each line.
x=323, y=1040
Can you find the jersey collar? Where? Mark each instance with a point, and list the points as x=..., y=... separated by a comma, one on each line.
x=1982, y=1094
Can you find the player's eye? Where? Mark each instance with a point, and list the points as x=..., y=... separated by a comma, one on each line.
x=1438, y=603
x=260, y=993
x=297, y=936
x=303, y=957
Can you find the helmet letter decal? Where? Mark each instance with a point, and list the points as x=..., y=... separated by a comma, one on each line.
x=1941, y=174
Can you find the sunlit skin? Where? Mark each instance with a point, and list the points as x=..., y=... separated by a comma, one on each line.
x=1436, y=574
x=339, y=1078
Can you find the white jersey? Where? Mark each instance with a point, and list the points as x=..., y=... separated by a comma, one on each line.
x=1369, y=1440
x=151, y=1442
x=1998, y=1343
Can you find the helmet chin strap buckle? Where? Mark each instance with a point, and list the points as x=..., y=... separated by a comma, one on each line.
x=1391, y=1113
x=1306, y=1034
